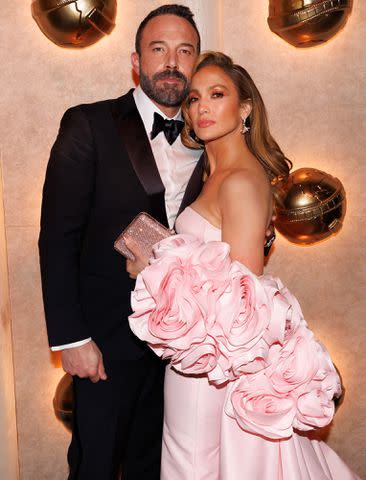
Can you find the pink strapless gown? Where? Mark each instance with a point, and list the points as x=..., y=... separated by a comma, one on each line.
x=200, y=442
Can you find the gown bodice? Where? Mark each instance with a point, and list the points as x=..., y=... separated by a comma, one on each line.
x=190, y=221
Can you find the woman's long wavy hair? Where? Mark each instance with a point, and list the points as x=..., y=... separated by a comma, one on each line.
x=259, y=139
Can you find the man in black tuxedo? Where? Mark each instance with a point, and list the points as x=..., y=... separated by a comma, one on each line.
x=112, y=160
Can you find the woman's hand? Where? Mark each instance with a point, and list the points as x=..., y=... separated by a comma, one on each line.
x=134, y=267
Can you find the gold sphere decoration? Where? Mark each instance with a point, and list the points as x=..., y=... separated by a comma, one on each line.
x=64, y=400
x=310, y=206
x=75, y=23
x=305, y=23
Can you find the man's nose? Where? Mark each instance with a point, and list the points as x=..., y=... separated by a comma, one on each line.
x=171, y=60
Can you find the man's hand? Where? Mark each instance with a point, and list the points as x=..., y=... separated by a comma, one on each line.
x=85, y=362
x=134, y=267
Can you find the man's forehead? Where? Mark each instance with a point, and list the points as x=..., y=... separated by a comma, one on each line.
x=169, y=28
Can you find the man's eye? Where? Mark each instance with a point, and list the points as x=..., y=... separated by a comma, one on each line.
x=186, y=51
x=158, y=49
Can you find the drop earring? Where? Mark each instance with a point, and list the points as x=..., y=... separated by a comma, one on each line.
x=244, y=128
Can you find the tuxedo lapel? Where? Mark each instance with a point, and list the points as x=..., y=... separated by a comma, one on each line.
x=133, y=136
x=194, y=186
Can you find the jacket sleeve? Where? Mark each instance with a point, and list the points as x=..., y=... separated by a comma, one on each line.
x=67, y=199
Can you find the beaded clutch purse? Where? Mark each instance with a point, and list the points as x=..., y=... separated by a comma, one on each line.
x=143, y=230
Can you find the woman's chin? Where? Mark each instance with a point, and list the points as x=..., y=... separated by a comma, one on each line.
x=206, y=136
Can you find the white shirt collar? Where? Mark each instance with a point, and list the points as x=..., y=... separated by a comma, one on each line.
x=147, y=108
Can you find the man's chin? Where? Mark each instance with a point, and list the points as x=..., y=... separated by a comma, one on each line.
x=170, y=96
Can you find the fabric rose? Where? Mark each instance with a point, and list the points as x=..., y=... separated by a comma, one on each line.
x=212, y=262
x=294, y=364
x=179, y=246
x=315, y=407
x=169, y=311
x=314, y=410
x=259, y=409
x=295, y=317
x=198, y=359
x=286, y=314
x=242, y=317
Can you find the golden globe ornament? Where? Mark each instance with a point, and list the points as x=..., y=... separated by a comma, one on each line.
x=305, y=23
x=310, y=206
x=64, y=400
x=75, y=23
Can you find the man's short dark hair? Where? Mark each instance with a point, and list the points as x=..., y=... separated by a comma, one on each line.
x=173, y=9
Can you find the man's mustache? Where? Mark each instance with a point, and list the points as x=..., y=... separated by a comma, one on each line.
x=169, y=74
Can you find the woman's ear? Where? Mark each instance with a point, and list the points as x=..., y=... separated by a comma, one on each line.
x=245, y=109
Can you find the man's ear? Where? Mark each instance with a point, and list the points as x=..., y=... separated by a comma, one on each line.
x=135, y=62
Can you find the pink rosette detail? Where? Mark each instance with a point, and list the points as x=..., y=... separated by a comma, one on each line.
x=314, y=410
x=169, y=309
x=213, y=259
x=286, y=314
x=295, y=363
x=212, y=262
x=259, y=409
x=315, y=407
x=242, y=317
x=180, y=246
x=250, y=361
x=199, y=358
x=177, y=308
x=174, y=302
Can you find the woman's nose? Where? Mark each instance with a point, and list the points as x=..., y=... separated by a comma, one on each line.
x=202, y=108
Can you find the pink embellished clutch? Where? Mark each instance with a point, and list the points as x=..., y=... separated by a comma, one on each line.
x=143, y=230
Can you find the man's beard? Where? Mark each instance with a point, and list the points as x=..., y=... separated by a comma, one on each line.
x=168, y=95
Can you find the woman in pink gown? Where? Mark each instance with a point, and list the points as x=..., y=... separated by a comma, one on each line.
x=213, y=428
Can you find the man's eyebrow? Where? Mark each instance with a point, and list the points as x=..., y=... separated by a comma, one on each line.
x=154, y=42
x=184, y=44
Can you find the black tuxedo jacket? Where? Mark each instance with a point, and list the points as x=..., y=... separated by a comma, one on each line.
x=101, y=173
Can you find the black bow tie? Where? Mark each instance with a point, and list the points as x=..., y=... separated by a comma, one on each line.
x=171, y=128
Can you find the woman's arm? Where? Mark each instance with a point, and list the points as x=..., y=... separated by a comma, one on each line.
x=244, y=202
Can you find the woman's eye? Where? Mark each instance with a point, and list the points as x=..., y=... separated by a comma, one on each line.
x=217, y=95
x=192, y=100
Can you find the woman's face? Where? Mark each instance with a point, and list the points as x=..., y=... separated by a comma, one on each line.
x=214, y=107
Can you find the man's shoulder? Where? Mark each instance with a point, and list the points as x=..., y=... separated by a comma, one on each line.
x=125, y=102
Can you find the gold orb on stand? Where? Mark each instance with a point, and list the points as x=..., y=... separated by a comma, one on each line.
x=75, y=23
x=63, y=401
x=305, y=23
x=310, y=206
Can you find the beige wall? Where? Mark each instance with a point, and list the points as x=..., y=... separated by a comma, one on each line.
x=8, y=433
x=316, y=108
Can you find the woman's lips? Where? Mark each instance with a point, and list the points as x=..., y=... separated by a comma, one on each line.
x=205, y=123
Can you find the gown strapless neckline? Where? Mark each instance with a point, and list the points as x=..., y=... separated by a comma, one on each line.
x=192, y=222
x=203, y=218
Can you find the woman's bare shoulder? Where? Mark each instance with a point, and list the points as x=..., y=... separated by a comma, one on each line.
x=245, y=182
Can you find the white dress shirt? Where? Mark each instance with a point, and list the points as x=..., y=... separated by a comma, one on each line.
x=175, y=164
